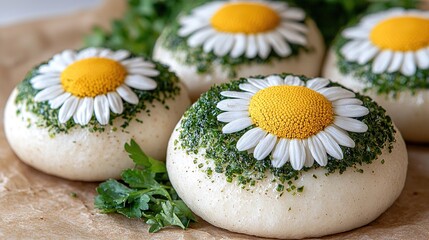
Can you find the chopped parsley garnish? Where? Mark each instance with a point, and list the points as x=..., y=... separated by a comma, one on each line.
x=200, y=129
x=384, y=83
x=144, y=192
x=167, y=88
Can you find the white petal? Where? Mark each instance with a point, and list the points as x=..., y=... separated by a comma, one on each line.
x=115, y=102
x=231, y=116
x=317, y=150
x=294, y=14
x=278, y=44
x=140, y=82
x=309, y=160
x=297, y=154
x=68, y=109
x=57, y=63
x=44, y=82
x=367, y=55
x=120, y=55
x=293, y=81
x=335, y=93
x=263, y=46
x=187, y=29
x=58, y=101
x=347, y=101
x=357, y=32
x=149, y=72
x=265, y=146
x=42, y=77
x=207, y=10
x=239, y=95
x=69, y=56
x=233, y=105
x=127, y=94
x=210, y=43
x=274, y=80
x=87, y=53
x=340, y=136
x=46, y=69
x=317, y=83
x=237, y=125
x=105, y=53
x=224, y=46
x=351, y=111
x=382, y=61
x=240, y=44
x=396, y=63
x=248, y=87
x=101, y=109
x=49, y=93
x=252, y=48
x=137, y=62
x=350, y=124
x=259, y=83
x=250, y=139
x=408, y=65
x=293, y=37
x=281, y=153
x=349, y=46
x=61, y=61
x=293, y=26
x=422, y=58
x=353, y=54
x=331, y=146
x=198, y=38
x=84, y=111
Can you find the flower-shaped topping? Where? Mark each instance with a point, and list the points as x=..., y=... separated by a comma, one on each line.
x=250, y=28
x=292, y=120
x=93, y=80
x=394, y=40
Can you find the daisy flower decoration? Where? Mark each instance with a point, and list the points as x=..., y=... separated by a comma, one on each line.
x=292, y=120
x=92, y=81
x=395, y=40
x=245, y=28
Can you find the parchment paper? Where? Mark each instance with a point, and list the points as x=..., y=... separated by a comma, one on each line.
x=36, y=205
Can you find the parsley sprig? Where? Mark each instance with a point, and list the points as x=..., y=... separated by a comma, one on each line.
x=144, y=192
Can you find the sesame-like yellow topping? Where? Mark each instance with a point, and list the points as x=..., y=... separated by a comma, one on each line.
x=292, y=112
x=93, y=76
x=401, y=33
x=245, y=18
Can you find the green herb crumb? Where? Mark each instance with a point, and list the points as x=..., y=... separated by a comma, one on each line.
x=201, y=129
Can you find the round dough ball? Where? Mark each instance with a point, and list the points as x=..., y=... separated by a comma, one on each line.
x=92, y=156
x=305, y=63
x=327, y=205
x=410, y=112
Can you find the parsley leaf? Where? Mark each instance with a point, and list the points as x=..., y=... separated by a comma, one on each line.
x=144, y=192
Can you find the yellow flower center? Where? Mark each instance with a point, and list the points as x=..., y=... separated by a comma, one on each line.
x=91, y=77
x=401, y=33
x=245, y=18
x=292, y=112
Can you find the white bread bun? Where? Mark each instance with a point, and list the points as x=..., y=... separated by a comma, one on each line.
x=92, y=156
x=328, y=204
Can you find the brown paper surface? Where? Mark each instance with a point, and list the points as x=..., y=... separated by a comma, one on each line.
x=36, y=205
